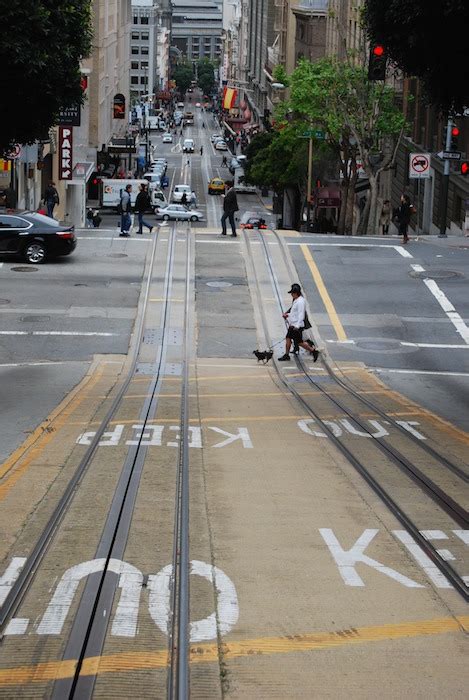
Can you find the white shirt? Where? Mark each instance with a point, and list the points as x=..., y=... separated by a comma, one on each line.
x=296, y=317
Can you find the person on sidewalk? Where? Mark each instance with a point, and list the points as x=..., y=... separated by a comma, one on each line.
x=51, y=198
x=296, y=323
x=125, y=207
x=385, y=217
x=403, y=214
x=142, y=204
x=230, y=207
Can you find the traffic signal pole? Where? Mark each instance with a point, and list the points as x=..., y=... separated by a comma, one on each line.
x=310, y=177
x=445, y=183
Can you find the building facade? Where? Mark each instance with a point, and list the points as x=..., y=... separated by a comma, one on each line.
x=197, y=27
x=310, y=34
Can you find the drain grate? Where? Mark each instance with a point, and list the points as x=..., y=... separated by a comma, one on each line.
x=35, y=319
x=354, y=248
x=437, y=274
x=152, y=336
x=24, y=269
x=220, y=285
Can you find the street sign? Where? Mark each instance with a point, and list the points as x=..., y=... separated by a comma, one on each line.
x=313, y=134
x=419, y=165
x=449, y=155
x=15, y=152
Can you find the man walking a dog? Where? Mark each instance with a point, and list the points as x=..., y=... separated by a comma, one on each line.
x=295, y=318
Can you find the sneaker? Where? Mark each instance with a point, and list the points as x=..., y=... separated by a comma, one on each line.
x=151, y=229
x=315, y=355
x=140, y=233
x=222, y=234
x=234, y=235
x=284, y=358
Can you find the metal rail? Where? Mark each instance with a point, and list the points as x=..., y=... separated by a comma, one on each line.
x=26, y=575
x=448, y=571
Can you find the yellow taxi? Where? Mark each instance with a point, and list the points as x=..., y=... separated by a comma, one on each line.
x=216, y=186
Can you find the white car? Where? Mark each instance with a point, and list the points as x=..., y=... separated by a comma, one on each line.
x=167, y=138
x=197, y=104
x=178, y=212
x=221, y=146
x=154, y=178
x=188, y=146
x=216, y=137
x=179, y=191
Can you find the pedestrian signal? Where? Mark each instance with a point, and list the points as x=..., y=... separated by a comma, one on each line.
x=465, y=167
x=377, y=63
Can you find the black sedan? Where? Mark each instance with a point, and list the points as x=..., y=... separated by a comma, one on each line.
x=34, y=236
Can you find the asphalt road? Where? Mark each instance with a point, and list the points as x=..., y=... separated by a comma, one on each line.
x=395, y=322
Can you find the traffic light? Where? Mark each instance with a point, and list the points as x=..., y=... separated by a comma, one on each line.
x=465, y=167
x=454, y=138
x=377, y=63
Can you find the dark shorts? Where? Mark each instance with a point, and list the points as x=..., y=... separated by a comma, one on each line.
x=296, y=334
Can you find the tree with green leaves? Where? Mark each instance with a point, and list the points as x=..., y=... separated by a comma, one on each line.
x=183, y=75
x=40, y=52
x=206, y=75
x=427, y=40
x=360, y=119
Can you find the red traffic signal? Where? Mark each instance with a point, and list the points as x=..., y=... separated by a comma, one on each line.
x=455, y=131
x=377, y=62
x=465, y=167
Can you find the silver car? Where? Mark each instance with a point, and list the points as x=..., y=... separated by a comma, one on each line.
x=178, y=212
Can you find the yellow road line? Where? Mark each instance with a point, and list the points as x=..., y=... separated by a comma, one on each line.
x=37, y=441
x=327, y=301
x=249, y=648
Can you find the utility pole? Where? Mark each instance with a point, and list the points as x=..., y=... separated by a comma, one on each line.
x=310, y=177
x=445, y=183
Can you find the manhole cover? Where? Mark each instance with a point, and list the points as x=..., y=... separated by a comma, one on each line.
x=4, y=302
x=219, y=284
x=384, y=346
x=35, y=319
x=437, y=274
x=118, y=255
x=355, y=248
x=24, y=269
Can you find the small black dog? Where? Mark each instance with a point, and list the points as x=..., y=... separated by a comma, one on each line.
x=263, y=356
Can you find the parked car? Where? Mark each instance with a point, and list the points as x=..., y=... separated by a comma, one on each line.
x=35, y=237
x=221, y=146
x=216, y=186
x=216, y=137
x=154, y=178
x=236, y=162
x=158, y=163
x=179, y=190
x=167, y=138
x=178, y=212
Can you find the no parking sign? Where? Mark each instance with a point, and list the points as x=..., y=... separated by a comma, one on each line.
x=419, y=165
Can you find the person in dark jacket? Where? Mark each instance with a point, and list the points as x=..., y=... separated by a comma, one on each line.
x=403, y=214
x=125, y=207
x=230, y=206
x=142, y=204
x=51, y=198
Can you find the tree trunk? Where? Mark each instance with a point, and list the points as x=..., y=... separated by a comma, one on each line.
x=363, y=223
x=343, y=206
x=350, y=203
x=372, y=223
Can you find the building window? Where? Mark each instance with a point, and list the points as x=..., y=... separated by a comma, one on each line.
x=143, y=20
x=135, y=19
x=144, y=36
x=134, y=65
x=134, y=50
x=143, y=80
x=144, y=64
x=134, y=79
x=136, y=35
x=144, y=50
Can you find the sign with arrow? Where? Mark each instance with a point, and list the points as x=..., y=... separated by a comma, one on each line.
x=449, y=155
x=65, y=152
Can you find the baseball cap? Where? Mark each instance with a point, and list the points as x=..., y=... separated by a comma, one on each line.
x=295, y=288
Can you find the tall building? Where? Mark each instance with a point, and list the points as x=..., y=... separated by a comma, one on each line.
x=197, y=27
x=310, y=35
x=149, y=47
